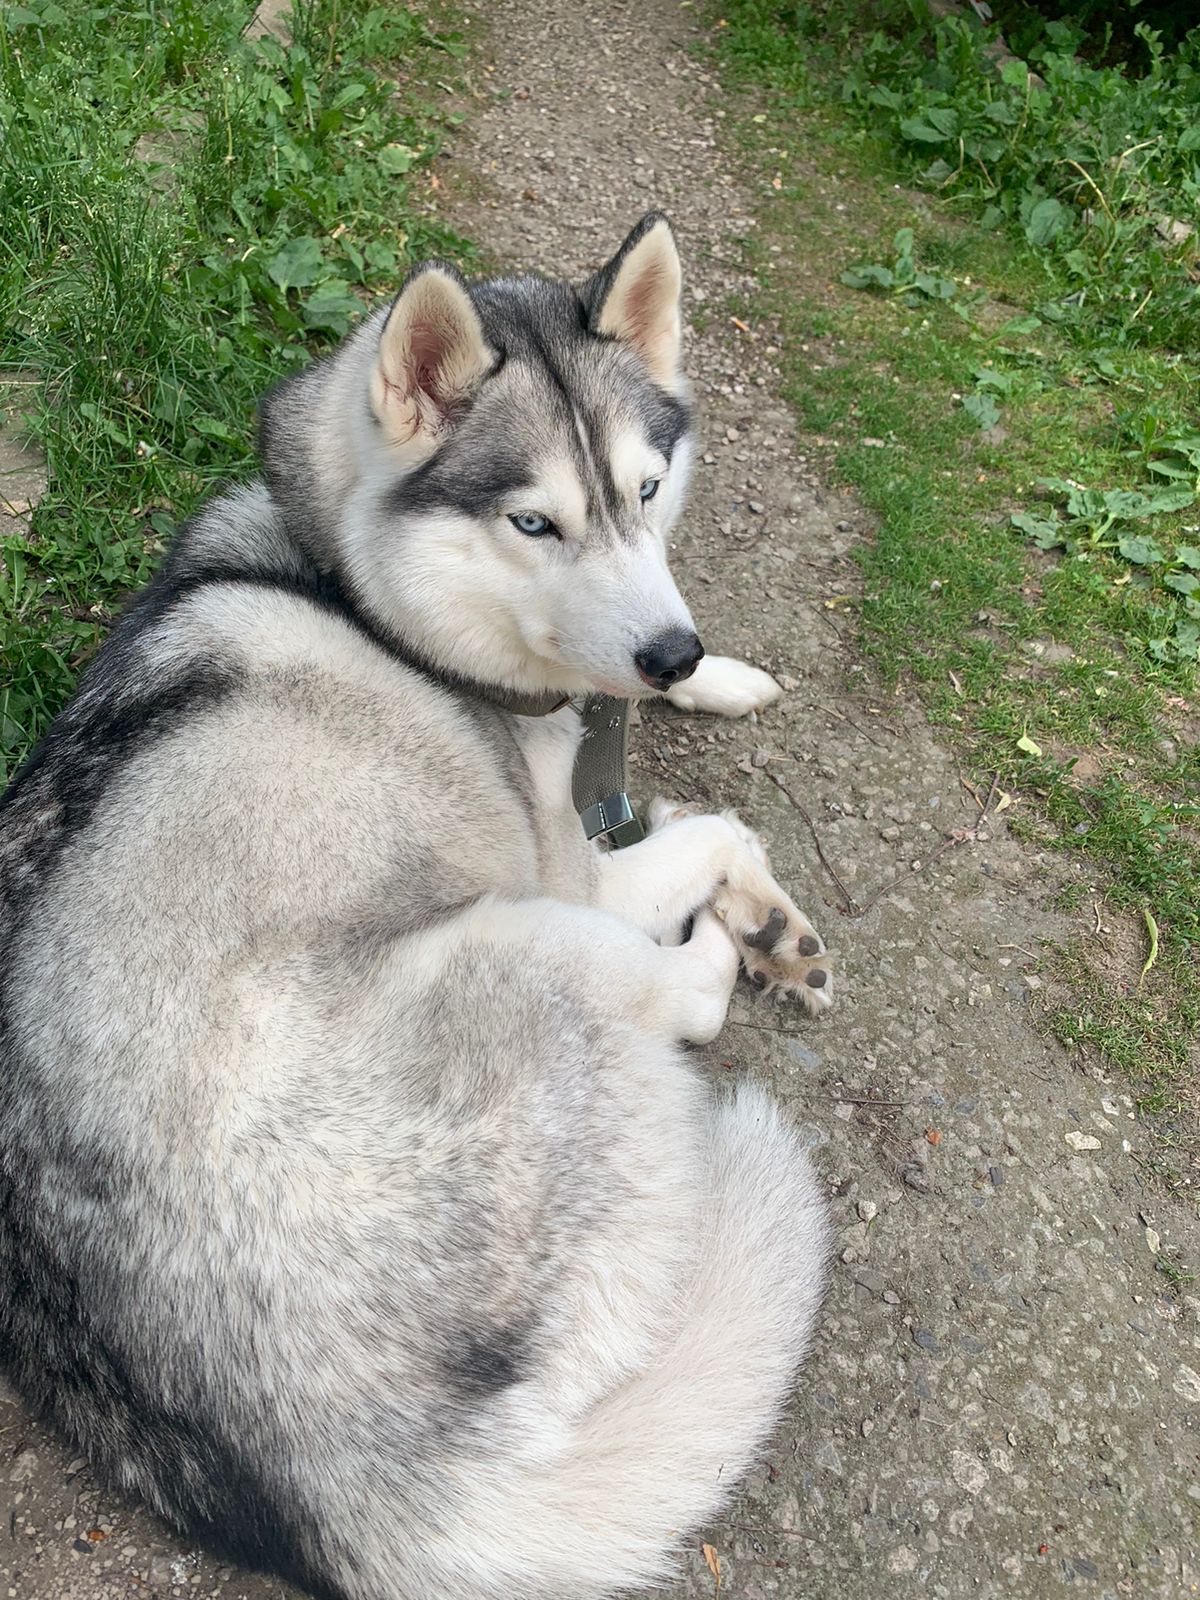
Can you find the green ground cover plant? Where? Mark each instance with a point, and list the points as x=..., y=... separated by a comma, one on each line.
x=188, y=213
x=987, y=299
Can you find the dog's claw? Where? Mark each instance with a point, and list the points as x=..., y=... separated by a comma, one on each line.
x=768, y=936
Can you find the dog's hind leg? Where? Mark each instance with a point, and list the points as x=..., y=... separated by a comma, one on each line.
x=726, y=688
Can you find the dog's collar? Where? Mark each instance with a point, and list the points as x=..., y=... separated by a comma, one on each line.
x=600, y=778
x=599, y=783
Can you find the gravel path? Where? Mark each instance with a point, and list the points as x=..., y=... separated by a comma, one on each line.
x=1005, y=1399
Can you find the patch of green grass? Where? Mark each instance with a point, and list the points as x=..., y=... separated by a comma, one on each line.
x=1057, y=648
x=187, y=215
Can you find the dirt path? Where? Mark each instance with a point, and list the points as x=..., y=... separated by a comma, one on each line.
x=1005, y=1399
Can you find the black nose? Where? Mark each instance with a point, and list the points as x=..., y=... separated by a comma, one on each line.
x=670, y=658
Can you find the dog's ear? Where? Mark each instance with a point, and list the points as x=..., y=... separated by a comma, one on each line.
x=635, y=298
x=432, y=356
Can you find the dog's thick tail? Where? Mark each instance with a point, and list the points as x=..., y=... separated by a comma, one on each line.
x=659, y=1456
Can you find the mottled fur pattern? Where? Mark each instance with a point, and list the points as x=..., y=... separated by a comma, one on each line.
x=358, y=1207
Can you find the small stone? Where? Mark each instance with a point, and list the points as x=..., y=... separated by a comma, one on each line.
x=927, y=1340
x=732, y=435
x=1153, y=1241
x=1082, y=1141
x=760, y=757
x=757, y=507
x=866, y=1427
x=890, y=1297
x=867, y=1210
x=996, y=1174
x=1032, y=981
x=890, y=834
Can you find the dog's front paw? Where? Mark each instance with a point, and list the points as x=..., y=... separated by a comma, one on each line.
x=726, y=688
x=780, y=948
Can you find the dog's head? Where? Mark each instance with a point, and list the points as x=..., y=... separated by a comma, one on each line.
x=495, y=470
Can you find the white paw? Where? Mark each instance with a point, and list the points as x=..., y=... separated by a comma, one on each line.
x=725, y=688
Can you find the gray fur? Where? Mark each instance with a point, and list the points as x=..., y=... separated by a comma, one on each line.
x=357, y=1205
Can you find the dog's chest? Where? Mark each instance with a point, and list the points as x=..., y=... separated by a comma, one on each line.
x=548, y=747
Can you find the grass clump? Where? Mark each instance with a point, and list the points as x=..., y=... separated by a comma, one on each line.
x=964, y=344
x=188, y=214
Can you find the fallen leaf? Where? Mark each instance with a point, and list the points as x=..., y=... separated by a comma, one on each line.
x=1004, y=801
x=1030, y=748
x=1153, y=1241
x=713, y=1561
x=933, y=1135
x=96, y=1535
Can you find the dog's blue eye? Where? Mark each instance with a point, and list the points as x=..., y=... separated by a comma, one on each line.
x=532, y=523
x=649, y=489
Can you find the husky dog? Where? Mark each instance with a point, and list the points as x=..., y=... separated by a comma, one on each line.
x=358, y=1207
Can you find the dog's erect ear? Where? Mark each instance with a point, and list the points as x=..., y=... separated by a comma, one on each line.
x=432, y=356
x=635, y=298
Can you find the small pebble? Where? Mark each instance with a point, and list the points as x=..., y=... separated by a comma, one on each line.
x=867, y=1210
x=1079, y=1140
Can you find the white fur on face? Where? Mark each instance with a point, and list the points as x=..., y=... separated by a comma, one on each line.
x=567, y=611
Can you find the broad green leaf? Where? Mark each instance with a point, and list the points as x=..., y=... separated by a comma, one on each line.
x=1164, y=501
x=921, y=132
x=1188, y=556
x=1140, y=549
x=903, y=242
x=331, y=305
x=944, y=118
x=298, y=264
x=989, y=378
x=1189, y=139
x=1026, y=744
x=1183, y=582
x=869, y=277
x=396, y=159
x=1029, y=324
x=983, y=408
x=1046, y=222
x=936, y=288
x=1046, y=534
